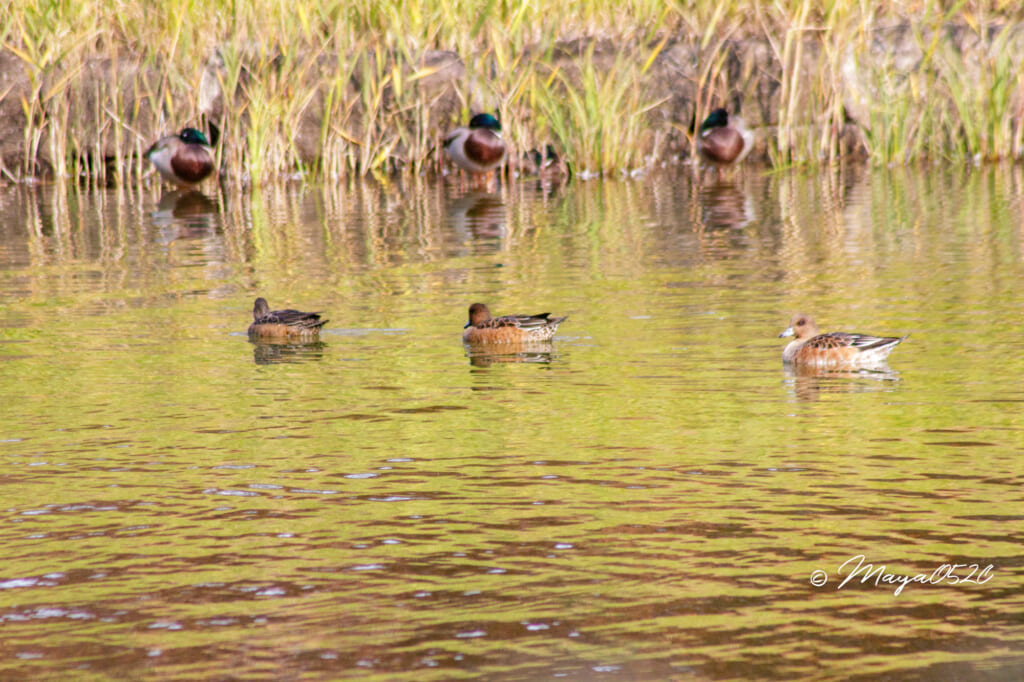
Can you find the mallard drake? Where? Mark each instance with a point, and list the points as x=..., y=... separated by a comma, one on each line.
x=479, y=148
x=724, y=140
x=183, y=159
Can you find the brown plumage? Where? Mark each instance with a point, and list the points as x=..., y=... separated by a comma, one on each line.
x=283, y=323
x=724, y=139
x=721, y=145
x=192, y=165
x=834, y=349
x=482, y=328
x=485, y=148
x=479, y=148
x=182, y=159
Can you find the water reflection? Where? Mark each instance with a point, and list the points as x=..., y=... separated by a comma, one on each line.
x=809, y=383
x=185, y=214
x=651, y=510
x=280, y=351
x=538, y=352
x=725, y=205
x=477, y=215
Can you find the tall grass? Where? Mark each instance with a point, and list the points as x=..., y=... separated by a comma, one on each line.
x=597, y=116
x=340, y=88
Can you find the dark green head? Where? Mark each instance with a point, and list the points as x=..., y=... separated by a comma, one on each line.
x=193, y=136
x=485, y=121
x=719, y=118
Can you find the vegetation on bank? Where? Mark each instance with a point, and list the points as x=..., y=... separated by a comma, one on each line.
x=348, y=87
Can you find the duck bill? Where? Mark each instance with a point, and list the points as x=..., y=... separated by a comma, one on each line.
x=787, y=332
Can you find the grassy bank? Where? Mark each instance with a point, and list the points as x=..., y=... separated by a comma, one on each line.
x=337, y=87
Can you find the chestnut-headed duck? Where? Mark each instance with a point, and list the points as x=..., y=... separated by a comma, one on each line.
x=834, y=350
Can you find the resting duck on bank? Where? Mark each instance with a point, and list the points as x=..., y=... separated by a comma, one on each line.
x=724, y=140
x=479, y=148
x=183, y=159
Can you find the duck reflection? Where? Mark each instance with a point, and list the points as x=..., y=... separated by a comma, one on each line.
x=724, y=205
x=536, y=352
x=477, y=215
x=185, y=214
x=809, y=383
x=281, y=351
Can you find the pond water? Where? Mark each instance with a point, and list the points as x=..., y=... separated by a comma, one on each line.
x=648, y=498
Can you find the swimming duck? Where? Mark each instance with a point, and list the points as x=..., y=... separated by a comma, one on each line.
x=482, y=328
x=479, y=148
x=835, y=349
x=724, y=140
x=183, y=159
x=283, y=323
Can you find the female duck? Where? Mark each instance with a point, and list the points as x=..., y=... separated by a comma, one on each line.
x=482, y=328
x=183, y=159
x=282, y=324
x=834, y=350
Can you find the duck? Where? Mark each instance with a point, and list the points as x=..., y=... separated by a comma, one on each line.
x=477, y=148
x=183, y=159
x=724, y=140
x=834, y=350
x=283, y=323
x=484, y=329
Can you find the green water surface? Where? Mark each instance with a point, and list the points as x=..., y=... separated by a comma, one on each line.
x=646, y=499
